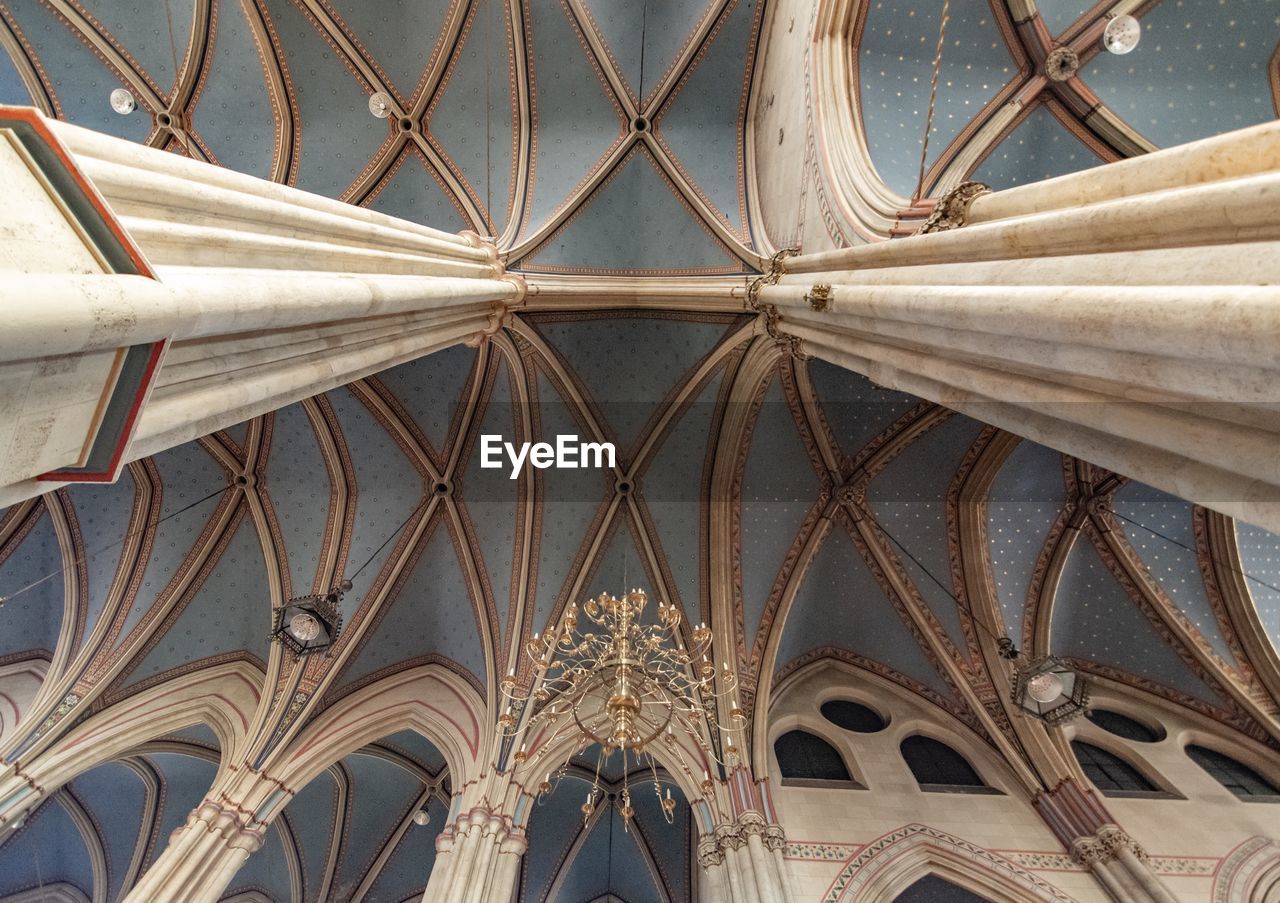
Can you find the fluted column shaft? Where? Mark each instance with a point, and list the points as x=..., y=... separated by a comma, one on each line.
x=1127, y=315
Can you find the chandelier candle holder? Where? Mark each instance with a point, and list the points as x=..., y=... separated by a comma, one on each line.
x=626, y=685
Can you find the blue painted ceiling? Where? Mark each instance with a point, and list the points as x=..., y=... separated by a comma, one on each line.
x=844, y=501
x=626, y=114
x=1201, y=68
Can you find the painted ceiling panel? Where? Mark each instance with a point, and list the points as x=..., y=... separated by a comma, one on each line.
x=634, y=223
x=490, y=497
x=909, y=499
x=673, y=491
x=856, y=409
x=299, y=487
x=645, y=36
x=1024, y=502
x=405, y=875
x=381, y=795
x=400, y=33
x=311, y=814
x=186, y=780
x=1260, y=560
x=609, y=861
x=229, y=614
x=430, y=389
x=895, y=67
x=1169, y=559
x=115, y=797
x=669, y=844
x=81, y=81
x=412, y=191
x=388, y=489
x=555, y=821
x=234, y=113
x=702, y=123
x=1059, y=15
x=47, y=850
x=158, y=31
x=618, y=568
x=472, y=118
x=267, y=872
x=576, y=121
x=571, y=499
x=12, y=89
x=629, y=396
x=1094, y=619
x=337, y=136
x=778, y=489
x=198, y=735
x=841, y=605
x=1201, y=69
x=413, y=745
x=431, y=614
x=1039, y=148
x=187, y=474
x=32, y=618
x=103, y=510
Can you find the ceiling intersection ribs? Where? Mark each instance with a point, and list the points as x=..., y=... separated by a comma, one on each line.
x=402, y=115
x=667, y=87
x=521, y=88
x=603, y=59
x=285, y=155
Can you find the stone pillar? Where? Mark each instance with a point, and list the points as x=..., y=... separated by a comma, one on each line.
x=1127, y=315
x=202, y=856
x=742, y=863
x=477, y=859
x=1094, y=840
x=197, y=297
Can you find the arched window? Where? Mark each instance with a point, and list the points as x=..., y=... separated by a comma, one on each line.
x=939, y=768
x=852, y=716
x=806, y=760
x=932, y=889
x=1112, y=774
x=1237, y=777
x=1124, y=726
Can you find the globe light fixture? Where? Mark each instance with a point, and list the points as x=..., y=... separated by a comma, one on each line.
x=1051, y=690
x=380, y=105
x=422, y=817
x=123, y=102
x=1121, y=35
x=308, y=624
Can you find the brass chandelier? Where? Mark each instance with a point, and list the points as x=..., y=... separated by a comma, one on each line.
x=626, y=684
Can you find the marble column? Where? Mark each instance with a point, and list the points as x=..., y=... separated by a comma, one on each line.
x=477, y=859
x=246, y=296
x=1127, y=317
x=742, y=862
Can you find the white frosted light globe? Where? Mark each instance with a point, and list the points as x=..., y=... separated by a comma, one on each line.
x=380, y=105
x=304, y=627
x=1045, y=688
x=422, y=817
x=1122, y=34
x=122, y=101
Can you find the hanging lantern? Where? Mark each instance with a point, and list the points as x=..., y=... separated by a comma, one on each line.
x=309, y=624
x=1051, y=690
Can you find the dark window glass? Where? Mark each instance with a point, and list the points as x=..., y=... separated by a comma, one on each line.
x=1237, y=777
x=1124, y=726
x=936, y=765
x=1110, y=773
x=852, y=717
x=932, y=889
x=805, y=757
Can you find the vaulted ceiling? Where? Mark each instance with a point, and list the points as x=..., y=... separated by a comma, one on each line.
x=849, y=514
x=556, y=125
x=602, y=138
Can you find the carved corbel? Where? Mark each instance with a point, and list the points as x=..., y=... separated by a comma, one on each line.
x=952, y=209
